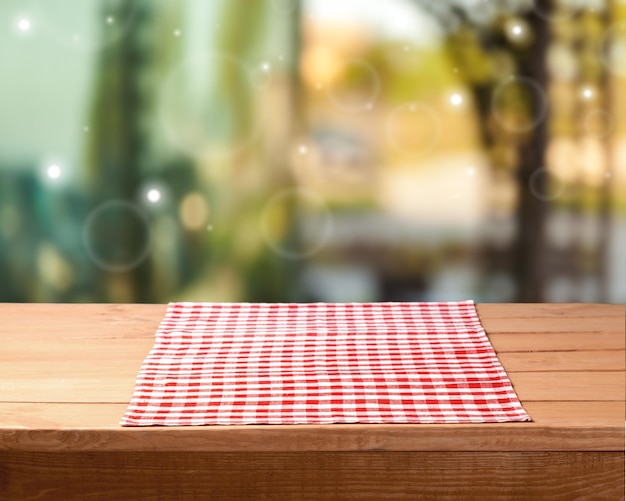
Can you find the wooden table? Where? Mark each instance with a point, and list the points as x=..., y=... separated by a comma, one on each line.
x=67, y=373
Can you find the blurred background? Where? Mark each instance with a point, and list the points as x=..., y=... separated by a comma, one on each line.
x=314, y=150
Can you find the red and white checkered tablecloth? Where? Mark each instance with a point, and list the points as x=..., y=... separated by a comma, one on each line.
x=282, y=363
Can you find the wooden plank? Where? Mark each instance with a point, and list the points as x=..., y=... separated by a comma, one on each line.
x=569, y=386
x=550, y=310
x=138, y=320
x=581, y=413
x=76, y=388
x=94, y=427
x=135, y=349
x=38, y=416
x=46, y=371
x=315, y=476
x=77, y=351
x=555, y=386
x=566, y=325
x=86, y=321
x=107, y=387
x=111, y=314
x=559, y=361
x=549, y=341
x=125, y=357
x=480, y=438
x=553, y=318
x=59, y=314
x=128, y=321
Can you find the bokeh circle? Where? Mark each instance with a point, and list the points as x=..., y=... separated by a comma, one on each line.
x=514, y=97
x=544, y=186
x=312, y=220
x=355, y=87
x=116, y=236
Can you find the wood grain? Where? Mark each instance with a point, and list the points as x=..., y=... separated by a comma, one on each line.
x=57, y=427
x=563, y=361
x=67, y=373
x=304, y=438
x=40, y=415
x=493, y=311
x=314, y=476
x=98, y=384
x=536, y=342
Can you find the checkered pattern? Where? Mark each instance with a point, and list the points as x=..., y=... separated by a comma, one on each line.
x=244, y=363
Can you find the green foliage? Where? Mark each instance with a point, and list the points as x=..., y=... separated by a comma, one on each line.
x=403, y=71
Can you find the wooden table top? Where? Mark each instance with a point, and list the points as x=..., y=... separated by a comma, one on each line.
x=67, y=373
